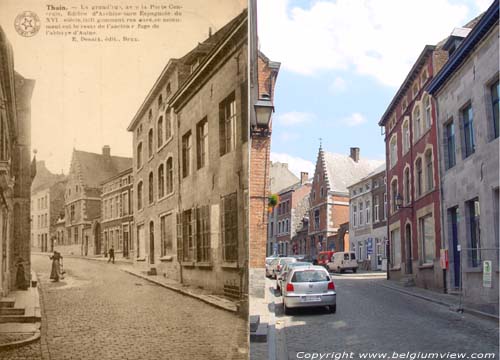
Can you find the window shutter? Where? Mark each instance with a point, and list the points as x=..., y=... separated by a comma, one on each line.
x=222, y=129
x=244, y=112
x=194, y=232
x=179, y=236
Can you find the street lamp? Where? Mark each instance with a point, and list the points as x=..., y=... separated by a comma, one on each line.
x=399, y=203
x=263, y=111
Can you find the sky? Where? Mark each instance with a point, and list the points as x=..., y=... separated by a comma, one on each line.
x=342, y=61
x=86, y=94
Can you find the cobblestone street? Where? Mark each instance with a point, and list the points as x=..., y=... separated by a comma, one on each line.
x=373, y=318
x=100, y=312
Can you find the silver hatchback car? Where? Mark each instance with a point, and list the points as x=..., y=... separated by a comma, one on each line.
x=309, y=286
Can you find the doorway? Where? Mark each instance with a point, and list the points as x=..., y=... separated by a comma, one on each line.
x=453, y=216
x=409, y=257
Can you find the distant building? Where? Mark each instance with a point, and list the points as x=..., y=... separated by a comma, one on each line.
x=329, y=197
x=83, y=198
x=116, y=215
x=467, y=96
x=16, y=174
x=367, y=230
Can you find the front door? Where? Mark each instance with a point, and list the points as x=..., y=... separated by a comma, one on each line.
x=409, y=267
x=125, y=241
x=456, y=253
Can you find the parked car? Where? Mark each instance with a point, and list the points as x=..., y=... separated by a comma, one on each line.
x=308, y=286
x=342, y=261
x=324, y=257
x=269, y=265
x=282, y=275
x=277, y=265
x=299, y=257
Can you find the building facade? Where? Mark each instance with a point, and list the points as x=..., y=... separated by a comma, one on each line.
x=467, y=96
x=329, y=197
x=414, y=224
x=82, y=200
x=367, y=231
x=116, y=224
x=16, y=173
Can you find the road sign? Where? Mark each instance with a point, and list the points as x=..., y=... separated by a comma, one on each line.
x=487, y=273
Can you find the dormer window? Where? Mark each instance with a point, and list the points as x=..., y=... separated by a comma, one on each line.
x=150, y=114
x=160, y=100
x=195, y=65
x=169, y=90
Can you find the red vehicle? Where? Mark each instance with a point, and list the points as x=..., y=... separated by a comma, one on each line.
x=324, y=257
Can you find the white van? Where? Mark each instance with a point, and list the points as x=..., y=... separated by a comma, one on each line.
x=342, y=261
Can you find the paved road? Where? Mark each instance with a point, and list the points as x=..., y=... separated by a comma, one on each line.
x=99, y=312
x=372, y=318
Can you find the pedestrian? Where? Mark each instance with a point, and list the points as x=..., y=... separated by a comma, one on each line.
x=111, y=254
x=55, y=274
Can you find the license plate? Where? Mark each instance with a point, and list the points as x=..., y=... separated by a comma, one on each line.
x=310, y=298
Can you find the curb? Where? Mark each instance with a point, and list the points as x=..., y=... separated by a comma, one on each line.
x=477, y=313
x=173, y=288
x=15, y=344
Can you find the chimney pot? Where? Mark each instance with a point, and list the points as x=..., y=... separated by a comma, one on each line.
x=106, y=150
x=355, y=153
x=303, y=177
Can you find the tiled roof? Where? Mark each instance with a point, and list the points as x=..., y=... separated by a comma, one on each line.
x=280, y=177
x=343, y=171
x=94, y=168
x=44, y=178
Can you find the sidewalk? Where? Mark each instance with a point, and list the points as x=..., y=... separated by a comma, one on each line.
x=118, y=260
x=451, y=301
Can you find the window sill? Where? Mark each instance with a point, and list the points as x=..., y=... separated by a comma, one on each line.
x=165, y=197
x=151, y=158
x=139, y=168
x=230, y=265
x=187, y=263
x=204, y=264
x=426, y=266
x=166, y=258
x=161, y=147
x=142, y=258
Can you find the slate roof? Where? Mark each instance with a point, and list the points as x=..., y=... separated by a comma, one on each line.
x=95, y=168
x=44, y=179
x=342, y=170
x=280, y=177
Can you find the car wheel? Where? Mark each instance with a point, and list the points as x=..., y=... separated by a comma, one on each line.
x=333, y=308
x=286, y=309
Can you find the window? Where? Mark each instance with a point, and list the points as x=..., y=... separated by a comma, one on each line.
x=125, y=205
x=161, y=181
x=418, y=177
x=160, y=100
x=159, y=132
x=428, y=171
x=150, y=143
x=367, y=210
x=170, y=176
x=316, y=219
x=428, y=112
x=151, y=188
x=426, y=227
x=393, y=148
x=150, y=114
x=417, y=123
x=375, y=209
x=406, y=136
x=360, y=205
x=139, y=155
x=394, y=194
x=230, y=227
x=201, y=143
x=169, y=89
x=406, y=189
x=395, y=248
x=354, y=215
x=468, y=127
x=139, y=196
x=227, y=124
x=186, y=154
x=186, y=232
x=72, y=215
x=203, y=234
x=385, y=206
x=473, y=214
x=166, y=234
x=415, y=90
x=495, y=89
x=449, y=139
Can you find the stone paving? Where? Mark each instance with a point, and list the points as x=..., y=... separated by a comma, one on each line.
x=373, y=318
x=100, y=312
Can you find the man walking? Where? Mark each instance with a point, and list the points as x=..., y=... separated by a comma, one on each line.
x=111, y=254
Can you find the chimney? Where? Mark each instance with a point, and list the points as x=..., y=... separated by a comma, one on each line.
x=209, y=32
x=106, y=150
x=303, y=177
x=355, y=154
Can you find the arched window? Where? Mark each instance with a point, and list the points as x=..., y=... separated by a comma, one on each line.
x=393, y=147
x=168, y=125
x=394, y=194
x=160, y=100
x=417, y=121
x=406, y=136
x=428, y=113
x=161, y=181
x=139, y=196
x=406, y=189
x=151, y=188
x=418, y=177
x=170, y=176
x=150, y=114
x=139, y=155
x=150, y=143
x=159, y=132
x=428, y=171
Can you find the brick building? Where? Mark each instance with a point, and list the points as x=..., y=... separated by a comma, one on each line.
x=16, y=173
x=82, y=202
x=467, y=96
x=329, y=197
x=414, y=227
x=115, y=226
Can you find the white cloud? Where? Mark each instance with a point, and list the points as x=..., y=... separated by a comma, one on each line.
x=352, y=120
x=293, y=118
x=288, y=136
x=378, y=38
x=483, y=5
x=295, y=163
x=338, y=85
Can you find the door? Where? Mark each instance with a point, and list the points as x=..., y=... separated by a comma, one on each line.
x=454, y=246
x=125, y=241
x=409, y=261
x=151, y=243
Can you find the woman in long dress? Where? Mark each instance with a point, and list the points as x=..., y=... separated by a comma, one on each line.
x=55, y=274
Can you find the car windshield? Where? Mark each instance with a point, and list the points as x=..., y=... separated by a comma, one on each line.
x=346, y=256
x=274, y=261
x=301, y=263
x=310, y=276
x=287, y=260
x=353, y=256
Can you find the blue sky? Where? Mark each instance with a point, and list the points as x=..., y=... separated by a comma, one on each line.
x=342, y=62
